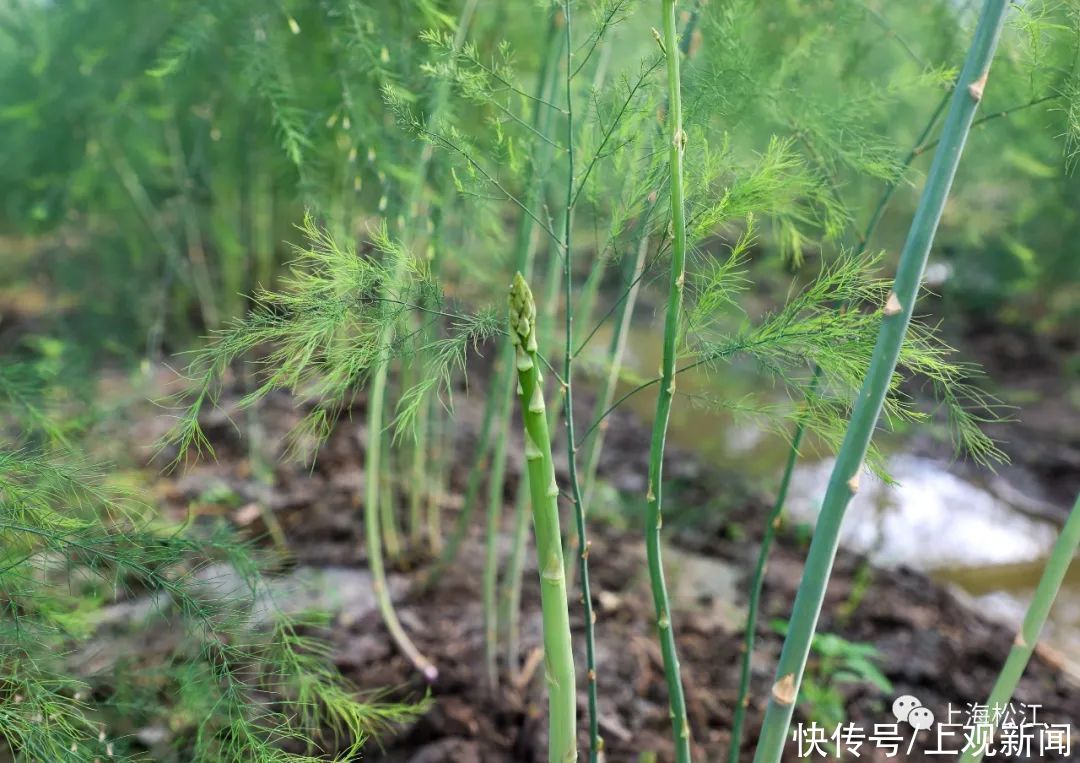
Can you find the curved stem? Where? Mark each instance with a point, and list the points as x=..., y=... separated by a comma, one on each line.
x=373, y=536
x=896, y=316
x=377, y=400
x=672, y=319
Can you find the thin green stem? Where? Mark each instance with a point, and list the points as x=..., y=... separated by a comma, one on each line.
x=417, y=468
x=391, y=533
x=924, y=147
x=511, y=590
x=891, y=186
x=617, y=350
x=436, y=489
x=623, y=310
x=544, y=491
x=496, y=500
x=1045, y=592
x=672, y=320
x=377, y=399
x=373, y=538
x=472, y=490
x=896, y=317
x=890, y=31
x=773, y=520
x=758, y=580
x=595, y=742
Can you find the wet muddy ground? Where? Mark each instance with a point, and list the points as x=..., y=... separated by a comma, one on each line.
x=930, y=643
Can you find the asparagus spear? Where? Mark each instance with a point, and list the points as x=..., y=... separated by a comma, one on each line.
x=544, y=493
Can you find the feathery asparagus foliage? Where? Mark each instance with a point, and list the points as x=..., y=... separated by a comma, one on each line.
x=558, y=652
x=324, y=334
x=245, y=682
x=895, y=318
x=238, y=114
x=319, y=331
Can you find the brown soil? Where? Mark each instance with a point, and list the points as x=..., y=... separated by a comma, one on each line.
x=930, y=645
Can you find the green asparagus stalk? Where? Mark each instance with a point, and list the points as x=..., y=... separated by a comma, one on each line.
x=545, y=332
x=774, y=518
x=1045, y=592
x=896, y=315
x=503, y=384
x=544, y=492
x=376, y=407
x=672, y=318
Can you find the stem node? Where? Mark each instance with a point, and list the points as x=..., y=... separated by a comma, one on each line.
x=784, y=691
x=976, y=88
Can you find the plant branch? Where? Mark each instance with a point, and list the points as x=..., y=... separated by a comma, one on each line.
x=922, y=149
x=1026, y=639
x=595, y=742
x=672, y=319
x=896, y=316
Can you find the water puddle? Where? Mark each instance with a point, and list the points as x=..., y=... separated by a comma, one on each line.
x=957, y=532
x=929, y=520
x=990, y=544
